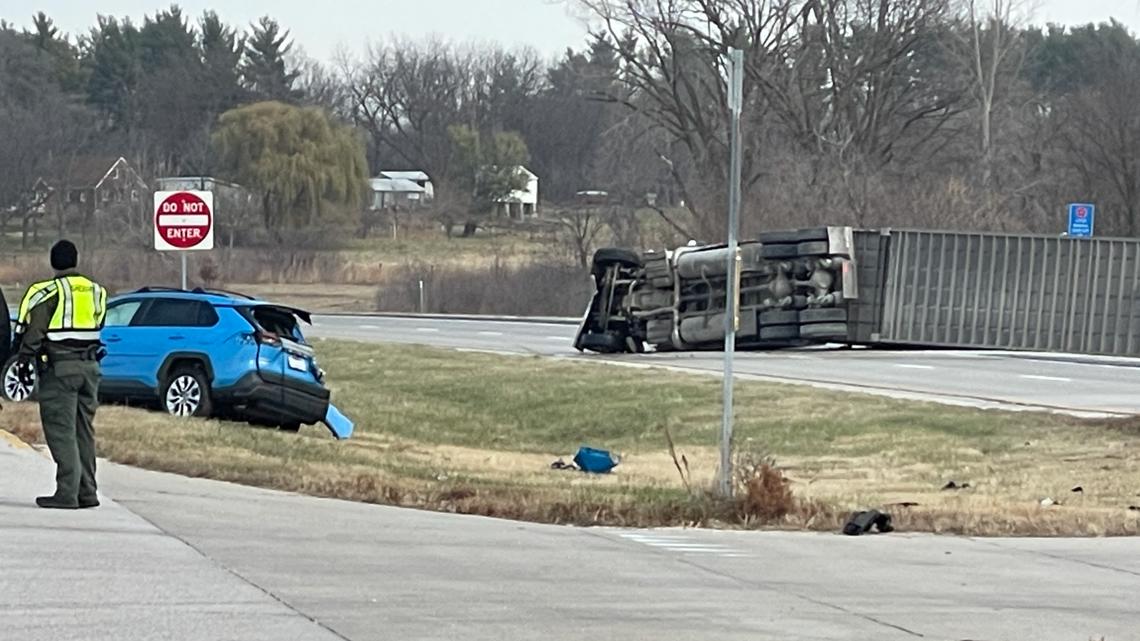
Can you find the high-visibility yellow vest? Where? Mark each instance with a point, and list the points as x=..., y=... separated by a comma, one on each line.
x=80, y=306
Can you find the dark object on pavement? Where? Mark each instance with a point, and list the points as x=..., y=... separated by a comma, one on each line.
x=1134, y=508
x=904, y=504
x=954, y=486
x=589, y=459
x=861, y=522
x=1078, y=489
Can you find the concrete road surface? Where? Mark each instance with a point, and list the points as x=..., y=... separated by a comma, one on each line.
x=1078, y=385
x=378, y=573
x=108, y=574
x=166, y=557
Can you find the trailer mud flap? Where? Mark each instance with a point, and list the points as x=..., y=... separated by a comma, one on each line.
x=339, y=424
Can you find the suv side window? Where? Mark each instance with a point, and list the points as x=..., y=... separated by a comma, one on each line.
x=120, y=314
x=170, y=312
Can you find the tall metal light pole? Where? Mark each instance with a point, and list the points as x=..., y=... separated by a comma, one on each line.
x=732, y=303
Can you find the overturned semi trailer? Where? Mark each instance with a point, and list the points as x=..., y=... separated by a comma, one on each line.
x=872, y=287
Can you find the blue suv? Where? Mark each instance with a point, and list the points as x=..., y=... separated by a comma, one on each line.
x=209, y=353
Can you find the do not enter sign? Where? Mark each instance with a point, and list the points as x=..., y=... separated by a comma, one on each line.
x=183, y=220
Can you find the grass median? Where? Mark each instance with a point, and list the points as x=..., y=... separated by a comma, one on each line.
x=477, y=433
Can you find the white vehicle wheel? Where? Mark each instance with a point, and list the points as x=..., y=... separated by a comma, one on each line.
x=187, y=393
x=16, y=390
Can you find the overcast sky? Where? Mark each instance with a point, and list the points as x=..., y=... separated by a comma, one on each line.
x=320, y=26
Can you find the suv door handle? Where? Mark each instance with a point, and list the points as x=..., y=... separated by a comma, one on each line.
x=176, y=337
x=113, y=339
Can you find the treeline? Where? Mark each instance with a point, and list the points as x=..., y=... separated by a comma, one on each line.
x=932, y=113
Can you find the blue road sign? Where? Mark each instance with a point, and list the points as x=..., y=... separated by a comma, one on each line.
x=1081, y=219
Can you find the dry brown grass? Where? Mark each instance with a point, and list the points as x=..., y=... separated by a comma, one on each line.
x=477, y=433
x=317, y=298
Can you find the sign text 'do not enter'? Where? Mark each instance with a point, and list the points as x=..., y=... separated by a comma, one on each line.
x=183, y=220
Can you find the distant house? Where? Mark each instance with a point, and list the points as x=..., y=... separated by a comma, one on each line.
x=401, y=189
x=87, y=184
x=520, y=203
x=418, y=177
x=395, y=192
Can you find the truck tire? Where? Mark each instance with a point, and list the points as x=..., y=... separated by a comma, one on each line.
x=779, y=332
x=779, y=317
x=824, y=330
x=794, y=235
x=814, y=248
x=607, y=256
x=773, y=252
x=824, y=315
x=603, y=343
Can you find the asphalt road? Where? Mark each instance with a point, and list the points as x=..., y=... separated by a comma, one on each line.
x=1078, y=385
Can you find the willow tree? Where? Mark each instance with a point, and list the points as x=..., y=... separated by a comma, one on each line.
x=305, y=167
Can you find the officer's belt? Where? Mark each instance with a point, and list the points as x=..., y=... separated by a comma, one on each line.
x=88, y=354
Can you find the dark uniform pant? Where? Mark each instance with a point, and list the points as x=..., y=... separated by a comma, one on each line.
x=68, y=398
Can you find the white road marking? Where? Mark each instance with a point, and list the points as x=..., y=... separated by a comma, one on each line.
x=490, y=333
x=1037, y=377
x=496, y=352
x=426, y=329
x=683, y=545
x=912, y=366
x=559, y=338
x=369, y=327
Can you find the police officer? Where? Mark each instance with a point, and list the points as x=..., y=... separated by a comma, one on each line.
x=58, y=326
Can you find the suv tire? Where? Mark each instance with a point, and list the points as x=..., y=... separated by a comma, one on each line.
x=186, y=392
x=10, y=386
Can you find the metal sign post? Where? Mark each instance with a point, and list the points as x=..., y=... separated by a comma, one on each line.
x=732, y=302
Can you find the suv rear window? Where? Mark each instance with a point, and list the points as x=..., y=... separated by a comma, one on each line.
x=274, y=319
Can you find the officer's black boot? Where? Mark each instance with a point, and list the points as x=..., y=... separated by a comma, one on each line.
x=56, y=503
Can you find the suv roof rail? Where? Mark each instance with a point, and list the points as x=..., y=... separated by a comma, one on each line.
x=157, y=288
x=197, y=290
x=210, y=290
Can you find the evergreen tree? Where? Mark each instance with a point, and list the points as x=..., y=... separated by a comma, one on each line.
x=264, y=69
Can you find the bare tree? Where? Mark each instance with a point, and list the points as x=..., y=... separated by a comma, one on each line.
x=673, y=72
x=581, y=227
x=989, y=45
x=1103, y=142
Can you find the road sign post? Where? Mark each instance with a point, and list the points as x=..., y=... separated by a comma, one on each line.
x=1081, y=219
x=183, y=222
x=732, y=303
